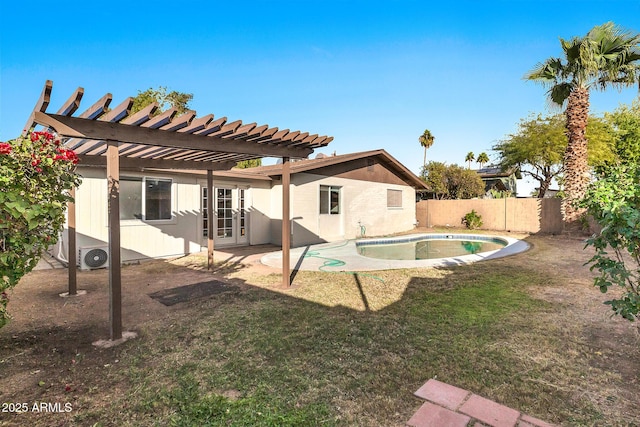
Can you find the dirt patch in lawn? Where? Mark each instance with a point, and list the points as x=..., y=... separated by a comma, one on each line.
x=51, y=373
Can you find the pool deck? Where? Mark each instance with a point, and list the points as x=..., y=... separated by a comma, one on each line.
x=343, y=256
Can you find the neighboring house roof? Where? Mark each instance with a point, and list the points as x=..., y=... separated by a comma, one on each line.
x=494, y=172
x=495, y=177
x=317, y=164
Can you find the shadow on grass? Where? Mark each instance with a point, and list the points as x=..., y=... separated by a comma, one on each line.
x=261, y=358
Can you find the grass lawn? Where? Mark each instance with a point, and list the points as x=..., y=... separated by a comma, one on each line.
x=344, y=349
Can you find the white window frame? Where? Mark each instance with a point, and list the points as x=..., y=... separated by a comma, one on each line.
x=144, y=220
x=330, y=189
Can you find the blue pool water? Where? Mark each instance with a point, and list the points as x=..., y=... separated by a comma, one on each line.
x=429, y=247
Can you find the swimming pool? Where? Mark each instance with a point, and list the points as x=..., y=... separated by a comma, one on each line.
x=344, y=256
x=429, y=246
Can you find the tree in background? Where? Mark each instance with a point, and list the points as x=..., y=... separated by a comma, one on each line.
x=482, y=159
x=625, y=122
x=606, y=56
x=537, y=148
x=452, y=182
x=178, y=100
x=470, y=158
x=426, y=140
x=245, y=164
x=434, y=174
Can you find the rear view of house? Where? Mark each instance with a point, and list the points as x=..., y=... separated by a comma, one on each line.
x=163, y=213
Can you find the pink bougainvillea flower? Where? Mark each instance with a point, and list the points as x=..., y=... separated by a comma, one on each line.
x=5, y=148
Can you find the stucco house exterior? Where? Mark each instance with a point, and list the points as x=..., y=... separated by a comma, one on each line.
x=163, y=213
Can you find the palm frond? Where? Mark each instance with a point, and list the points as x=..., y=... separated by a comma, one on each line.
x=571, y=48
x=546, y=73
x=559, y=93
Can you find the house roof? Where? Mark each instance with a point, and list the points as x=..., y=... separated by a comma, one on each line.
x=494, y=172
x=310, y=165
x=165, y=140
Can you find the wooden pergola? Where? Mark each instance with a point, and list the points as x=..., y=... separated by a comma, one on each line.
x=114, y=138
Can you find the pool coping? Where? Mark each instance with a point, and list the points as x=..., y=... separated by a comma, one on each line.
x=343, y=256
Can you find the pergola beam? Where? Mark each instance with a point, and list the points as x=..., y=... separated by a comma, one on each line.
x=101, y=130
x=41, y=106
x=138, y=162
x=97, y=109
x=120, y=112
x=72, y=104
x=161, y=119
x=141, y=116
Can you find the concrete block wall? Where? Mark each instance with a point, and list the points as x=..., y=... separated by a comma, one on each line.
x=511, y=214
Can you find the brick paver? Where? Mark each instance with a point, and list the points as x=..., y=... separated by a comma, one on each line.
x=490, y=412
x=450, y=406
x=430, y=415
x=443, y=394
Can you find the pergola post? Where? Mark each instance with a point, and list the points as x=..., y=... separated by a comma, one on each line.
x=115, y=279
x=286, y=222
x=71, y=237
x=209, y=219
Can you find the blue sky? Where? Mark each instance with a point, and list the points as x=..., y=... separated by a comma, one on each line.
x=371, y=74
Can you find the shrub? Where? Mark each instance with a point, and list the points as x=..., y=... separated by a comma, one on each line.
x=614, y=203
x=35, y=176
x=472, y=220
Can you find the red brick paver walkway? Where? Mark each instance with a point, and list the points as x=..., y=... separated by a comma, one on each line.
x=449, y=406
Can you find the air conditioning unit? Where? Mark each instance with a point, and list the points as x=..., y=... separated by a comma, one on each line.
x=92, y=257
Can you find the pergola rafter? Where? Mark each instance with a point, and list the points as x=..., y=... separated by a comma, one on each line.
x=118, y=139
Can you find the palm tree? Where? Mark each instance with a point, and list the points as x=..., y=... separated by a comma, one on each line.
x=470, y=158
x=482, y=159
x=426, y=140
x=606, y=56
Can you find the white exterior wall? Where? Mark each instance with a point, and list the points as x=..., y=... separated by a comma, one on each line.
x=260, y=213
x=360, y=201
x=139, y=239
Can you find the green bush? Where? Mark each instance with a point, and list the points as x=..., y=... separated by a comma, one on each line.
x=472, y=220
x=614, y=203
x=36, y=173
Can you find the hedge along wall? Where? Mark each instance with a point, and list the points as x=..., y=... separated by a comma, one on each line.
x=510, y=214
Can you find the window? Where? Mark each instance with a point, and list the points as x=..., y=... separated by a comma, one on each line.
x=157, y=199
x=149, y=195
x=329, y=200
x=130, y=198
x=394, y=198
